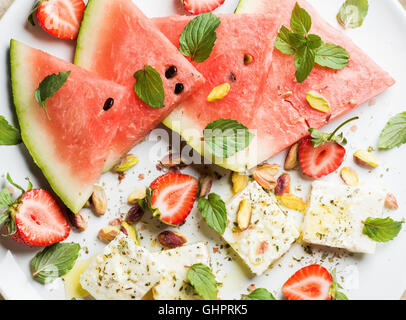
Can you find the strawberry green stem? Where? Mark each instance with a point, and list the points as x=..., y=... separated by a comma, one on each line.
x=340, y=126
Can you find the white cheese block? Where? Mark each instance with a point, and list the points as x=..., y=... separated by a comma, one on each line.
x=124, y=271
x=14, y=285
x=335, y=214
x=271, y=232
x=173, y=284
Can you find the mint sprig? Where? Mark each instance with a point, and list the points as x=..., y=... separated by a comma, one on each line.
x=259, y=294
x=48, y=87
x=225, y=137
x=309, y=49
x=213, y=210
x=382, y=229
x=149, y=87
x=198, y=38
x=8, y=134
x=320, y=138
x=54, y=261
x=352, y=13
x=394, y=133
x=203, y=281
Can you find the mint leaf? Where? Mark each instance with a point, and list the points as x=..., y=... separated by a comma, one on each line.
x=352, y=13
x=332, y=56
x=149, y=87
x=394, y=133
x=54, y=261
x=225, y=137
x=202, y=279
x=198, y=38
x=300, y=22
x=297, y=41
x=33, y=10
x=214, y=212
x=320, y=138
x=313, y=41
x=8, y=134
x=282, y=42
x=259, y=294
x=335, y=294
x=5, y=199
x=382, y=229
x=49, y=86
x=304, y=63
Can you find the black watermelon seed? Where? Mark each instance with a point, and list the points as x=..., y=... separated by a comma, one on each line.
x=232, y=77
x=178, y=88
x=171, y=72
x=108, y=104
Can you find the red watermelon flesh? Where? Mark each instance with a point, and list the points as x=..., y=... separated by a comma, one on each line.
x=116, y=39
x=72, y=146
x=275, y=124
x=345, y=89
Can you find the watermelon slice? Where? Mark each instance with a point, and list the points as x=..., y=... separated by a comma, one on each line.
x=275, y=124
x=116, y=39
x=345, y=89
x=72, y=146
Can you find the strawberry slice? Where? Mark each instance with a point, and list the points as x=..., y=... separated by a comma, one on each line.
x=173, y=195
x=201, y=6
x=322, y=160
x=309, y=283
x=38, y=219
x=61, y=18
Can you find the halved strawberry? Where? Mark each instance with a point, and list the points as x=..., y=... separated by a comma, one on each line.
x=201, y=6
x=173, y=195
x=322, y=160
x=61, y=18
x=309, y=283
x=39, y=221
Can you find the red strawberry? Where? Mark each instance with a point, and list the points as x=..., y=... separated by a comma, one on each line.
x=61, y=18
x=173, y=195
x=322, y=160
x=201, y=6
x=309, y=283
x=39, y=219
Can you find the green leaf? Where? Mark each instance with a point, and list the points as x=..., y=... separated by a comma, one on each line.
x=225, y=137
x=33, y=10
x=296, y=40
x=4, y=217
x=202, y=279
x=282, y=42
x=313, y=41
x=335, y=294
x=54, y=261
x=49, y=86
x=382, y=229
x=304, y=63
x=149, y=87
x=341, y=296
x=300, y=22
x=5, y=199
x=320, y=138
x=352, y=13
x=332, y=56
x=8, y=134
x=198, y=38
x=394, y=133
x=29, y=187
x=259, y=294
x=214, y=212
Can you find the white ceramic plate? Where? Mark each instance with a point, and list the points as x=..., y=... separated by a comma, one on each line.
x=378, y=276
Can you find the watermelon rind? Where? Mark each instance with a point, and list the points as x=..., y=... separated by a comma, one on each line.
x=248, y=6
x=35, y=138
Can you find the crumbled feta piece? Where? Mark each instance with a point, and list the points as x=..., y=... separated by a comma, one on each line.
x=173, y=284
x=124, y=271
x=335, y=215
x=270, y=234
x=14, y=284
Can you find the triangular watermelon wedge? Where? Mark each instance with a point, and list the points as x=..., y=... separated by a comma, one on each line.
x=116, y=39
x=345, y=89
x=275, y=125
x=72, y=146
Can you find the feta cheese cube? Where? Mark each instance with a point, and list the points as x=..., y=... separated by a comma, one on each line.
x=173, y=284
x=270, y=234
x=335, y=214
x=124, y=271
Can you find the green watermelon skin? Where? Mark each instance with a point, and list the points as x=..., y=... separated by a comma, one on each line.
x=115, y=40
x=72, y=146
x=275, y=125
x=361, y=80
